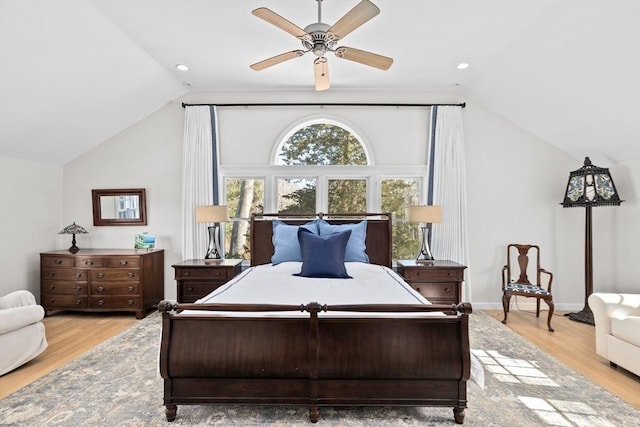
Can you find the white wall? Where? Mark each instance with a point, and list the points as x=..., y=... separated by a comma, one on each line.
x=31, y=195
x=515, y=185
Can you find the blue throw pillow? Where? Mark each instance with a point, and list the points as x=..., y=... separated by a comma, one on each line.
x=356, y=247
x=323, y=256
x=285, y=241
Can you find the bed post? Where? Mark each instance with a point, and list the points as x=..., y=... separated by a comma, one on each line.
x=313, y=309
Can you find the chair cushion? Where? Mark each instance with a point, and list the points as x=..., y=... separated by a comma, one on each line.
x=627, y=329
x=526, y=289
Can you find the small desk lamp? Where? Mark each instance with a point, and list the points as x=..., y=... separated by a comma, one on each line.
x=73, y=229
x=427, y=215
x=215, y=215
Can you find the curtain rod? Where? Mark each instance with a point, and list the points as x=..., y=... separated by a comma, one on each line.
x=338, y=104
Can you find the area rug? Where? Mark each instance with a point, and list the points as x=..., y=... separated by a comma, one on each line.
x=117, y=384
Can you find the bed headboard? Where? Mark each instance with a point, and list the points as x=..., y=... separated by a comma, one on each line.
x=379, y=236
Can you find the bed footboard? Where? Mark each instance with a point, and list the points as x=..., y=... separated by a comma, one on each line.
x=321, y=358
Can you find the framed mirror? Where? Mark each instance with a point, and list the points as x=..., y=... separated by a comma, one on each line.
x=125, y=206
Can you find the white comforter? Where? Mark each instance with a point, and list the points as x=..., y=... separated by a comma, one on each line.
x=371, y=284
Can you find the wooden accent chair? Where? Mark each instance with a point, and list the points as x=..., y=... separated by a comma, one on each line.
x=516, y=282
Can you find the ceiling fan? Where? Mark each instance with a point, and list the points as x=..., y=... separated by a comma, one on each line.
x=321, y=38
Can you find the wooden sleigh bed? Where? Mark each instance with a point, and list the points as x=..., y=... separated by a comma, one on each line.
x=316, y=360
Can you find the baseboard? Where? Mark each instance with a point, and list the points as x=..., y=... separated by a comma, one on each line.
x=525, y=304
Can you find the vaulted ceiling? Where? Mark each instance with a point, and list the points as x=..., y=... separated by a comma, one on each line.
x=74, y=73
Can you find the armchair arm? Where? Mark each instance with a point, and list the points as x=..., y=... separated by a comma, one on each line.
x=550, y=275
x=17, y=299
x=606, y=306
x=15, y=318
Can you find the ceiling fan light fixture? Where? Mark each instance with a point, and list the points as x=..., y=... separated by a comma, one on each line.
x=182, y=67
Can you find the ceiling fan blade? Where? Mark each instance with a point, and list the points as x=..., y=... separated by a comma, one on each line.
x=364, y=57
x=274, y=60
x=321, y=73
x=280, y=22
x=361, y=13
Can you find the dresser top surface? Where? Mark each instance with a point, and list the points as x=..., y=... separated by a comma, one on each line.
x=102, y=252
x=205, y=263
x=435, y=264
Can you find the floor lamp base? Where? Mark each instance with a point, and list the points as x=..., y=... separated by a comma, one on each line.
x=584, y=316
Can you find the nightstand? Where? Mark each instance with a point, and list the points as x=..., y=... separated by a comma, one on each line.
x=438, y=281
x=198, y=277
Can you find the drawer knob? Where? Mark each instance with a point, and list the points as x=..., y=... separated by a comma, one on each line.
x=52, y=287
x=78, y=275
x=190, y=289
x=88, y=262
x=57, y=261
x=100, y=275
x=124, y=262
x=130, y=302
x=130, y=288
x=51, y=274
x=100, y=289
x=78, y=288
x=186, y=273
x=447, y=290
x=78, y=302
x=100, y=302
x=131, y=275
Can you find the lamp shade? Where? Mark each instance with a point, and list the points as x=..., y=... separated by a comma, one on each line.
x=590, y=186
x=73, y=229
x=427, y=214
x=212, y=214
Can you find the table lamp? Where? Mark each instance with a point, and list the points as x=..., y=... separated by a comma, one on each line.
x=215, y=215
x=73, y=229
x=426, y=215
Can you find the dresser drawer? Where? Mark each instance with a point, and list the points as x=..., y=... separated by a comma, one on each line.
x=204, y=273
x=88, y=262
x=68, y=274
x=116, y=274
x=64, y=287
x=63, y=301
x=115, y=288
x=432, y=275
x=123, y=262
x=56, y=261
x=116, y=302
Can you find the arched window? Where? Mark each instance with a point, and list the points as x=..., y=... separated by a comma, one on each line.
x=321, y=142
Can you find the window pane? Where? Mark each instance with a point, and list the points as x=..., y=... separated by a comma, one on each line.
x=347, y=195
x=397, y=195
x=297, y=195
x=244, y=197
x=322, y=144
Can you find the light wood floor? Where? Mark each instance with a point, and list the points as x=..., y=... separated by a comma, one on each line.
x=573, y=343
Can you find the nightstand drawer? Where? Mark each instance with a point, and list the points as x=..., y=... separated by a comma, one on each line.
x=414, y=275
x=436, y=290
x=192, y=291
x=204, y=273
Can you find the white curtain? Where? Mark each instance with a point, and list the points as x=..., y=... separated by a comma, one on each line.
x=199, y=176
x=448, y=188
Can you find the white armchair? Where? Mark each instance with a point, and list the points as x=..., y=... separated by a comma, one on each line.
x=22, y=334
x=617, y=322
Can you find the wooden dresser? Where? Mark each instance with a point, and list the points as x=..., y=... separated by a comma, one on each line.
x=102, y=280
x=198, y=277
x=438, y=281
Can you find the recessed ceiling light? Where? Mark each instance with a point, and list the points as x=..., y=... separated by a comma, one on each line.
x=182, y=67
x=463, y=66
